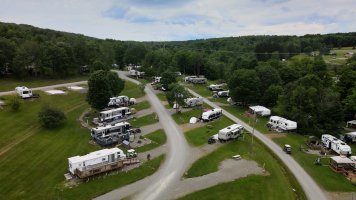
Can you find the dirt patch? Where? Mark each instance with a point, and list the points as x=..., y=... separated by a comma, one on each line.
x=188, y=127
x=276, y=135
x=340, y=195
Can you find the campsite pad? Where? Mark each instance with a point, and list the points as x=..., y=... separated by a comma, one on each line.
x=51, y=92
x=75, y=88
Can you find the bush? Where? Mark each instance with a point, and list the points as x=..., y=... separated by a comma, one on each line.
x=15, y=103
x=51, y=117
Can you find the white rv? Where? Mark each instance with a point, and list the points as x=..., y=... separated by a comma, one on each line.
x=23, y=92
x=216, y=87
x=231, y=132
x=114, y=114
x=211, y=114
x=350, y=137
x=110, y=130
x=224, y=93
x=260, y=110
x=156, y=79
x=335, y=144
x=195, y=101
x=121, y=101
x=281, y=123
x=95, y=158
x=136, y=73
x=188, y=78
x=198, y=80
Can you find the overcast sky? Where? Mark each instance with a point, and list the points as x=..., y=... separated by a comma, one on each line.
x=162, y=20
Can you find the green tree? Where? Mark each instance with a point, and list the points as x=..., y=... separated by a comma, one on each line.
x=168, y=78
x=268, y=76
x=98, y=65
x=99, y=91
x=244, y=86
x=308, y=50
x=270, y=96
x=15, y=103
x=116, y=85
x=51, y=117
x=176, y=94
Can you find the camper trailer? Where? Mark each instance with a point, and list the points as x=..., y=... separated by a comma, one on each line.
x=110, y=130
x=114, y=114
x=82, y=166
x=211, y=114
x=224, y=93
x=156, y=79
x=23, y=92
x=350, y=137
x=121, y=101
x=216, y=87
x=281, y=123
x=198, y=80
x=136, y=73
x=335, y=144
x=260, y=110
x=195, y=101
x=189, y=78
x=231, y=132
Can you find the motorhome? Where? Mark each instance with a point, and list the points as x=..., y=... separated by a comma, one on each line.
x=281, y=123
x=335, y=144
x=216, y=87
x=121, y=101
x=103, y=156
x=195, y=101
x=350, y=137
x=211, y=114
x=114, y=114
x=225, y=93
x=110, y=130
x=231, y=132
x=23, y=92
x=260, y=110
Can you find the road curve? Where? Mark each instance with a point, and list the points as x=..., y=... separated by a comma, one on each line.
x=50, y=87
x=310, y=187
x=161, y=184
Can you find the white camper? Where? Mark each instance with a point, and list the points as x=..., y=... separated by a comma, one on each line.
x=23, y=92
x=121, y=101
x=211, y=114
x=192, y=102
x=114, y=114
x=225, y=93
x=198, y=80
x=281, y=123
x=136, y=73
x=188, y=78
x=231, y=132
x=110, y=130
x=216, y=87
x=156, y=79
x=335, y=144
x=327, y=139
x=350, y=137
x=95, y=158
x=260, y=110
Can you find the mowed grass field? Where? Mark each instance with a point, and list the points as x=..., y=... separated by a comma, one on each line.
x=34, y=168
x=157, y=138
x=7, y=84
x=132, y=90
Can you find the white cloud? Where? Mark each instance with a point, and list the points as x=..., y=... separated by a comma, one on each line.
x=144, y=20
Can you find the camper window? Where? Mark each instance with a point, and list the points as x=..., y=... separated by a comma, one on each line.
x=24, y=92
x=103, y=159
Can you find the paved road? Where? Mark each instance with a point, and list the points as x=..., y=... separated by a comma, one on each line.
x=48, y=87
x=161, y=184
x=311, y=189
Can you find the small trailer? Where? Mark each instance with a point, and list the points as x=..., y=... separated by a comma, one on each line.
x=24, y=92
x=193, y=102
x=216, y=87
x=114, y=114
x=121, y=101
x=96, y=162
x=225, y=93
x=231, y=132
x=260, y=110
x=350, y=137
x=281, y=124
x=211, y=114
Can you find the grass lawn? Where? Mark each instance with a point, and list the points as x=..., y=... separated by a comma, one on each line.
x=132, y=90
x=7, y=84
x=323, y=175
x=201, y=89
x=141, y=106
x=199, y=136
x=145, y=120
x=184, y=117
x=253, y=186
x=162, y=96
x=158, y=138
x=100, y=186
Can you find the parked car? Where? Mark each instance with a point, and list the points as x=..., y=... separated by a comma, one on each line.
x=287, y=148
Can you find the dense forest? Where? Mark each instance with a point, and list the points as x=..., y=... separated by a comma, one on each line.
x=258, y=69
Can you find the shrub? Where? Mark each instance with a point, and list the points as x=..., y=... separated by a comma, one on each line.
x=15, y=103
x=51, y=117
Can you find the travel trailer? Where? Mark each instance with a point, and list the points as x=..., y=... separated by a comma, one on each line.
x=121, y=101
x=23, y=92
x=136, y=73
x=195, y=101
x=281, y=123
x=198, y=80
x=114, y=114
x=225, y=93
x=350, y=137
x=231, y=132
x=335, y=144
x=211, y=114
x=188, y=78
x=216, y=87
x=110, y=130
x=260, y=110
